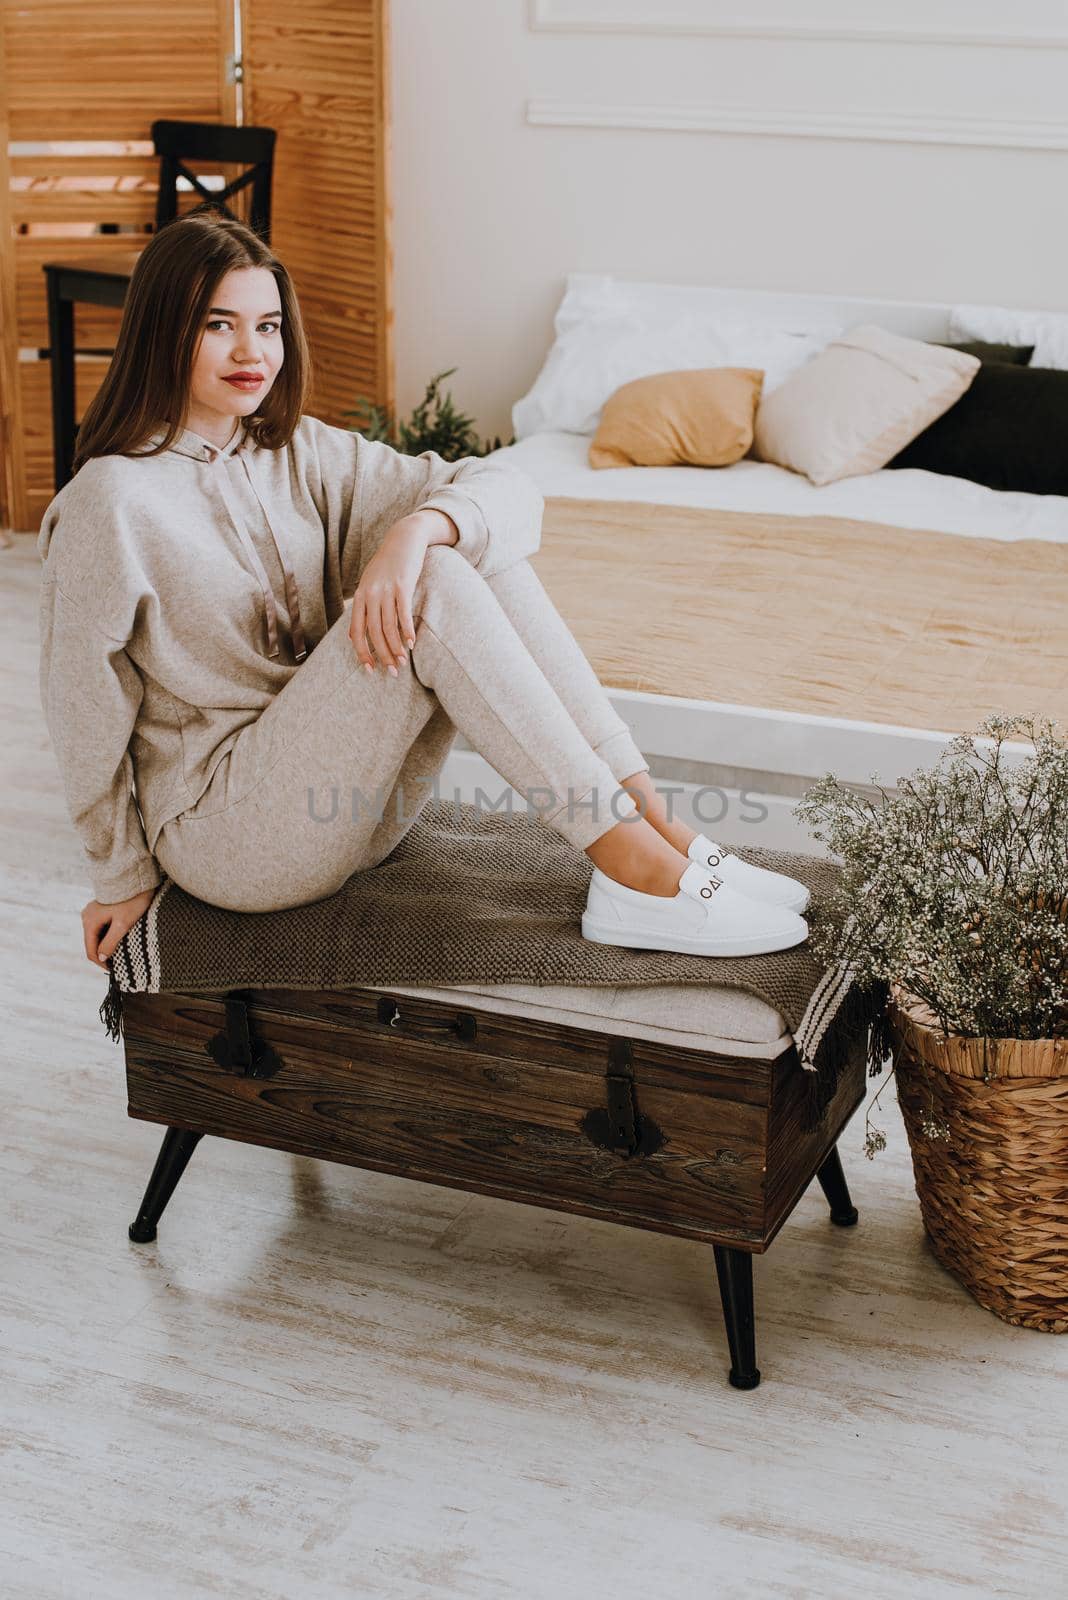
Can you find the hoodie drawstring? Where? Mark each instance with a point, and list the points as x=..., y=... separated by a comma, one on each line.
x=292, y=597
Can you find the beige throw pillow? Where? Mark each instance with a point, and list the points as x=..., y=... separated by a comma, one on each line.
x=854, y=406
x=702, y=418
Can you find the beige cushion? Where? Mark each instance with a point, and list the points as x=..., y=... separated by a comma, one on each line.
x=854, y=406
x=702, y=418
x=695, y=1017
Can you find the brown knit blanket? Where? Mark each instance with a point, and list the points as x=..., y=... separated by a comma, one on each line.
x=470, y=896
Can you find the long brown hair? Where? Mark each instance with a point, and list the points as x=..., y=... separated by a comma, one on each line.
x=170, y=292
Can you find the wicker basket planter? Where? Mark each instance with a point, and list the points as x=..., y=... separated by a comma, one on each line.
x=987, y=1124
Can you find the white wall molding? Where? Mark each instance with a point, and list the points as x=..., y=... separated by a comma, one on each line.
x=927, y=238
x=561, y=16
x=889, y=127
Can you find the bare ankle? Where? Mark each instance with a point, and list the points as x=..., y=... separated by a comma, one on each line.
x=643, y=791
x=634, y=854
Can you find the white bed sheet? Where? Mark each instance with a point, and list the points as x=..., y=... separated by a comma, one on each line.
x=905, y=499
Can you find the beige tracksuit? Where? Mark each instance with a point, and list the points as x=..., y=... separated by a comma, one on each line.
x=195, y=649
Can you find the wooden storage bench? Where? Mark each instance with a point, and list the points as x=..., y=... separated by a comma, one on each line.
x=572, y=1099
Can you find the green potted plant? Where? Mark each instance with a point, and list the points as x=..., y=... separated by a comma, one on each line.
x=953, y=900
x=445, y=430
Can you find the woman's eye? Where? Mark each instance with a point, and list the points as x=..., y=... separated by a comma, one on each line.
x=218, y=322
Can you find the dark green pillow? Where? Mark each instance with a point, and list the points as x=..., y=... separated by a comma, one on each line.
x=1007, y=431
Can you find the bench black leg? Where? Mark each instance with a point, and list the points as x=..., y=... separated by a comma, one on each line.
x=178, y=1145
x=834, y=1186
x=734, y=1268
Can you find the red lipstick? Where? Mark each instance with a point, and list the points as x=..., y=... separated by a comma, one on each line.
x=244, y=380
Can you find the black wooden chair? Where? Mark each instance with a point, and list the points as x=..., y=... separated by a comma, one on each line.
x=105, y=283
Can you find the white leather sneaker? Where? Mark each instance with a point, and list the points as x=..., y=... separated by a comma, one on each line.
x=705, y=918
x=774, y=888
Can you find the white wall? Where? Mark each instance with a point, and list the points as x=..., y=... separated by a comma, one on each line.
x=960, y=192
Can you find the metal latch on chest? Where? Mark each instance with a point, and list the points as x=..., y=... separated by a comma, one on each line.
x=238, y=1049
x=619, y=1126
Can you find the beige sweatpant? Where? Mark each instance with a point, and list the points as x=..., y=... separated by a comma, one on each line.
x=334, y=772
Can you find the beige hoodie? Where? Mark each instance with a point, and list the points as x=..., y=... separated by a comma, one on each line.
x=181, y=592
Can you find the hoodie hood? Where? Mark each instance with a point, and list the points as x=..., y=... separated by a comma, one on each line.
x=239, y=455
x=188, y=443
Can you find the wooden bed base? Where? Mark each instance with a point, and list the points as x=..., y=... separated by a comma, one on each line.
x=684, y=1141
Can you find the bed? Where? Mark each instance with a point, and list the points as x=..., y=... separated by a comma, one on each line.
x=756, y=631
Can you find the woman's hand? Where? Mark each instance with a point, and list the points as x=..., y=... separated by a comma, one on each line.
x=117, y=919
x=382, y=601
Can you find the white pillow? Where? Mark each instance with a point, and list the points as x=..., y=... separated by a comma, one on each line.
x=593, y=294
x=1046, y=330
x=609, y=332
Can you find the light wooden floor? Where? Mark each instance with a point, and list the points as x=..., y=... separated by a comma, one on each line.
x=323, y=1382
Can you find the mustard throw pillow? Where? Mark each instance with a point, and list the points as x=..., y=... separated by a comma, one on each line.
x=702, y=418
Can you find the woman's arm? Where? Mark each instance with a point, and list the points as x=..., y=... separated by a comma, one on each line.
x=369, y=487
x=90, y=693
x=437, y=526
x=496, y=508
x=381, y=623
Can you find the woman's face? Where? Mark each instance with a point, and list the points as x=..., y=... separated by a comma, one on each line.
x=239, y=352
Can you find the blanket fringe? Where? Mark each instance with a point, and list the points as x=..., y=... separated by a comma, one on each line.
x=111, y=1008
x=862, y=1014
x=820, y=1087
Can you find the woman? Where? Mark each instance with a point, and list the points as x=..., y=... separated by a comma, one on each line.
x=246, y=611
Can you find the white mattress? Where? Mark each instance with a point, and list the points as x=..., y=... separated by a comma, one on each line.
x=904, y=499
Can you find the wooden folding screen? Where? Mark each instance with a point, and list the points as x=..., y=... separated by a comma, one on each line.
x=318, y=72
x=83, y=80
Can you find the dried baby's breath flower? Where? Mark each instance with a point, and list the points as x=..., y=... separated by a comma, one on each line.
x=874, y=1141
x=955, y=885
